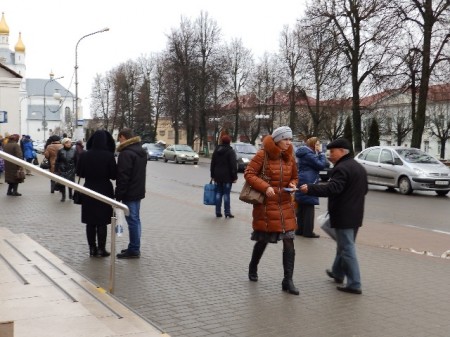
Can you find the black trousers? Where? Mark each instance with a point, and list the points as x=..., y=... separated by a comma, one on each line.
x=305, y=219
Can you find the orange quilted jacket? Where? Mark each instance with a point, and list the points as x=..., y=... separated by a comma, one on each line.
x=277, y=214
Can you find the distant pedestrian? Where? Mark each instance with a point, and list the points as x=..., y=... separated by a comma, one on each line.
x=275, y=219
x=65, y=165
x=346, y=192
x=98, y=167
x=12, y=147
x=224, y=173
x=28, y=151
x=130, y=187
x=52, y=147
x=310, y=161
x=79, y=149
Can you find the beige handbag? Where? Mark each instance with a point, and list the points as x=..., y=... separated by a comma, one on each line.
x=250, y=195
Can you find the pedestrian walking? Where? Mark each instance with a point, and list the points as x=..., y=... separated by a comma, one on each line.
x=98, y=167
x=346, y=192
x=65, y=165
x=224, y=173
x=12, y=147
x=28, y=151
x=130, y=187
x=53, y=145
x=310, y=161
x=274, y=220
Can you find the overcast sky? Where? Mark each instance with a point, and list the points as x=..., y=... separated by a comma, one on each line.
x=51, y=29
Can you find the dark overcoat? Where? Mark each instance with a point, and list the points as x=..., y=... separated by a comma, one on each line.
x=346, y=191
x=98, y=167
x=12, y=148
x=223, y=164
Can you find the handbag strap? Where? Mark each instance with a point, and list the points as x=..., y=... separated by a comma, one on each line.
x=262, y=174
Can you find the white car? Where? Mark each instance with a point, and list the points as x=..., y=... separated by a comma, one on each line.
x=180, y=154
x=407, y=169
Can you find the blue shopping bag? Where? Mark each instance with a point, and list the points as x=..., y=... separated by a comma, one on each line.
x=209, y=194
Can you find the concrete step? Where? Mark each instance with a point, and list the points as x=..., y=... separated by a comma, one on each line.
x=45, y=297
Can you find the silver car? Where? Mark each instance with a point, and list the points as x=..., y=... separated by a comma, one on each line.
x=180, y=154
x=407, y=169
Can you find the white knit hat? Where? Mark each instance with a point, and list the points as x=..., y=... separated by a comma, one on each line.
x=65, y=140
x=283, y=132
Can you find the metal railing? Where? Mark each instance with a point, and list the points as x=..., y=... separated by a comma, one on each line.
x=115, y=204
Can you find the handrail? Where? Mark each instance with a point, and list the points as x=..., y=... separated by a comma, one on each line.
x=68, y=183
x=81, y=189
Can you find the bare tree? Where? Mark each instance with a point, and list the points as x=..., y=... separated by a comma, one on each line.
x=238, y=67
x=291, y=55
x=432, y=20
x=440, y=124
x=365, y=33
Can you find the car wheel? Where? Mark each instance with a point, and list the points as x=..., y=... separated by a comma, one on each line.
x=442, y=193
x=165, y=159
x=404, y=186
x=176, y=160
x=195, y=163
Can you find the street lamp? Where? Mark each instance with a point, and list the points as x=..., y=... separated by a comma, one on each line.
x=56, y=95
x=76, y=72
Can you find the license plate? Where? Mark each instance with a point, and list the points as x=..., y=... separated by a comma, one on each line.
x=323, y=172
x=441, y=182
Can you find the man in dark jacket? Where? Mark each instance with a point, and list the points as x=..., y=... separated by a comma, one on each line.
x=346, y=192
x=130, y=187
x=224, y=173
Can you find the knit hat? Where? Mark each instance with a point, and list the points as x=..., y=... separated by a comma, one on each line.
x=65, y=140
x=283, y=132
x=340, y=143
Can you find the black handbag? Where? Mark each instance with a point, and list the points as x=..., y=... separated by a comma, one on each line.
x=77, y=196
x=45, y=164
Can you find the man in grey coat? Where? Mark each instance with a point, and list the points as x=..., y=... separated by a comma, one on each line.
x=346, y=192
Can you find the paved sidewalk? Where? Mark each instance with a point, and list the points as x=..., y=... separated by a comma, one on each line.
x=192, y=277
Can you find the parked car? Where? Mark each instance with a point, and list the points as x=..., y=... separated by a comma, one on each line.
x=180, y=154
x=244, y=153
x=407, y=169
x=38, y=146
x=154, y=151
x=325, y=173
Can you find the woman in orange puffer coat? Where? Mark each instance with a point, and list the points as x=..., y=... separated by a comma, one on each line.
x=275, y=219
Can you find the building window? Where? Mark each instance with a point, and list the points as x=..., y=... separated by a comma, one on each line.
x=170, y=135
x=162, y=133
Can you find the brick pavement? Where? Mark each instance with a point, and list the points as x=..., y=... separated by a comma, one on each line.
x=192, y=277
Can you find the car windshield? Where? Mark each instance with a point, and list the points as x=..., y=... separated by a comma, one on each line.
x=246, y=148
x=185, y=148
x=416, y=156
x=153, y=147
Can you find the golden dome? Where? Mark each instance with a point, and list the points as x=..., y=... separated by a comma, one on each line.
x=4, y=29
x=20, y=47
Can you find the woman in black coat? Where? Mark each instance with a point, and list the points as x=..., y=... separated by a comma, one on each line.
x=98, y=167
x=224, y=173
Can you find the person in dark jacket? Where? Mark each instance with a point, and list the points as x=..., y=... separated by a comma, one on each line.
x=310, y=161
x=224, y=173
x=65, y=165
x=98, y=167
x=346, y=191
x=12, y=147
x=130, y=187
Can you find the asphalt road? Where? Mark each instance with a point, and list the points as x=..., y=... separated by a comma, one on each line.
x=423, y=210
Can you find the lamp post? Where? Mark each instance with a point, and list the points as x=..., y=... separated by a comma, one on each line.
x=56, y=95
x=76, y=73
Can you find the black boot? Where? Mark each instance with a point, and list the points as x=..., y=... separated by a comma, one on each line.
x=288, y=265
x=258, y=250
x=101, y=237
x=10, y=189
x=52, y=186
x=14, y=190
x=63, y=194
x=91, y=234
x=70, y=193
